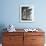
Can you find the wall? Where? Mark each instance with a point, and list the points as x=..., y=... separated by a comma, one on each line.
x=10, y=13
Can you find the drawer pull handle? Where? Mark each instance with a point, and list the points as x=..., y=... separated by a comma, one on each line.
x=33, y=39
x=10, y=38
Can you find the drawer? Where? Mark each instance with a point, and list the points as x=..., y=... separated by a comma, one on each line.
x=21, y=44
x=12, y=38
x=34, y=33
x=37, y=44
x=8, y=45
x=37, y=39
x=13, y=33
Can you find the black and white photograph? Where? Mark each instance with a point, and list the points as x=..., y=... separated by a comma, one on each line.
x=26, y=13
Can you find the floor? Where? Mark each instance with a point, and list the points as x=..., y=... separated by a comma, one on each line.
x=0, y=44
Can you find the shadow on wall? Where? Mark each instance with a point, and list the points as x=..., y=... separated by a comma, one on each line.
x=2, y=26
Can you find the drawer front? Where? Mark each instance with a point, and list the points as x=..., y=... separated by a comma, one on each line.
x=34, y=33
x=37, y=39
x=37, y=45
x=12, y=44
x=13, y=33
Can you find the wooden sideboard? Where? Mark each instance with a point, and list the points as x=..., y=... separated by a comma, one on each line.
x=23, y=38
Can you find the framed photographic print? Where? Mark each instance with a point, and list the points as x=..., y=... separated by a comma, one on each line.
x=26, y=13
